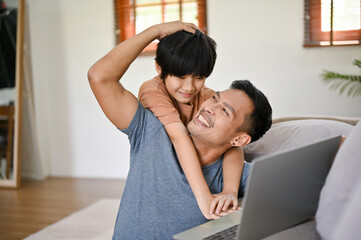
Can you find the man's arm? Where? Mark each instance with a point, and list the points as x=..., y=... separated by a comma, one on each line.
x=118, y=104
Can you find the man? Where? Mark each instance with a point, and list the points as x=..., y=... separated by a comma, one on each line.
x=157, y=201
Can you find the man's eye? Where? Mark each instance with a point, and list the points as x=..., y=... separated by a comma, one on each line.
x=214, y=98
x=225, y=111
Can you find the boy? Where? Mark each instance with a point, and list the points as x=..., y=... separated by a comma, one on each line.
x=183, y=61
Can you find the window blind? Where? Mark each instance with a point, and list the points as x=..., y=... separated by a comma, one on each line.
x=134, y=16
x=332, y=22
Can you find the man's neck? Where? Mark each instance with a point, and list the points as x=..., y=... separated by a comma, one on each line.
x=208, y=154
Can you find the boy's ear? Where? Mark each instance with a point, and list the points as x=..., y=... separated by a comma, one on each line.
x=241, y=140
x=158, y=68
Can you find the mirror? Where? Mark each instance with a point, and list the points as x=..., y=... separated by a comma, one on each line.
x=11, y=76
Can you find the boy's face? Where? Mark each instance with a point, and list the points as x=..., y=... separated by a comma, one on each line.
x=183, y=89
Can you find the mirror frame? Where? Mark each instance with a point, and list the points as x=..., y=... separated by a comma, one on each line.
x=19, y=71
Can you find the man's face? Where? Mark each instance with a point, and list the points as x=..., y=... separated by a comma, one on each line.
x=219, y=117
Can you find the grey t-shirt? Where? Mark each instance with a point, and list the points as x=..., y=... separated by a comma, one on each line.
x=157, y=201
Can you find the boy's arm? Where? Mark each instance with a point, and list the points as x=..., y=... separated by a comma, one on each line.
x=232, y=172
x=191, y=166
x=118, y=104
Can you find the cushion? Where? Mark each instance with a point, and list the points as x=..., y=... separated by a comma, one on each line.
x=292, y=134
x=349, y=223
x=338, y=194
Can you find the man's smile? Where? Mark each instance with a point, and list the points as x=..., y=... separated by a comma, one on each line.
x=203, y=120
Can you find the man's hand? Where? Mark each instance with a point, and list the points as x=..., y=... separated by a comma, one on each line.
x=165, y=29
x=224, y=202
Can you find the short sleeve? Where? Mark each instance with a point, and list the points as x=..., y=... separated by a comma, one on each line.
x=154, y=97
x=136, y=125
x=142, y=129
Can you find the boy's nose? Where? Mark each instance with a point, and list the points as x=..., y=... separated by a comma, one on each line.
x=188, y=84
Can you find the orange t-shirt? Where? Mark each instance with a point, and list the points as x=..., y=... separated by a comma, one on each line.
x=154, y=96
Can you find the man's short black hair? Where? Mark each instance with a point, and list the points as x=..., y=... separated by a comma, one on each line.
x=260, y=120
x=183, y=53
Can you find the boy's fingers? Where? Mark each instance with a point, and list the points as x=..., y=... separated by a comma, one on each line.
x=220, y=205
x=212, y=216
x=226, y=205
x=213, y=205
x=235, y=204
x=222, y=214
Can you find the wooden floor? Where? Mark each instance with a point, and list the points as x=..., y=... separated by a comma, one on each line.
x=40, y=203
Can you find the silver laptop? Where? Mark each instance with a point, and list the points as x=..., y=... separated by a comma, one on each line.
x=283, y=191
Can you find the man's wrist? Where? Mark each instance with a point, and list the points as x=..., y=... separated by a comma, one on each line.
x=151, y=33
x=156, y=30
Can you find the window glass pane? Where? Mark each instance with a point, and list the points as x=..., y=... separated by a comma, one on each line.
x=171, y=12
x=190, y=13
x=139, y=2
x=146, y=17
x=325, y=15
x=134, y=16
x=346, y=15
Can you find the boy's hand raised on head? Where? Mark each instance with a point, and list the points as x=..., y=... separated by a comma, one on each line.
x=165, y=29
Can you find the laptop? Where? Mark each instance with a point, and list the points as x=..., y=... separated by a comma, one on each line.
x=283, y=191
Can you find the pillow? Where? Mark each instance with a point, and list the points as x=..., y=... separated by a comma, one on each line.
x=349, y=224
x=292, y=134
x=341, y=188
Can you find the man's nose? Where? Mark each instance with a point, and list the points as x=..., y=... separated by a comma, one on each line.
x=210, y=109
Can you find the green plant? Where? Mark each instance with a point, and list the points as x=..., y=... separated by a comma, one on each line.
x=349, y=84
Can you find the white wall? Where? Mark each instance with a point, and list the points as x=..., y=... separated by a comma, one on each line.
x=264, y=44
x=75, y=138
x=257, y=40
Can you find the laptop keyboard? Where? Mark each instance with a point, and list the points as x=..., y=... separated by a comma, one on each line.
x=229, y=233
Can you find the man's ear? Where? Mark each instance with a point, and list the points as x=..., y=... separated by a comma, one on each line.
x=241, y=140
x=158, y=68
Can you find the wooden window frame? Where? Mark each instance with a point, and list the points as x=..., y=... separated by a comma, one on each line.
x=314, y=37
x=124, y=15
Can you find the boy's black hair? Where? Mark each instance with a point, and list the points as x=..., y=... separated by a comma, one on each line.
x=260, y=120
x=183, y=53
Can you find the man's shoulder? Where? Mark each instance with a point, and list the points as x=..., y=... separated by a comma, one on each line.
x=143, y=120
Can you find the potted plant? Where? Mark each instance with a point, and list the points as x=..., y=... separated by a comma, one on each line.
x=348, y=84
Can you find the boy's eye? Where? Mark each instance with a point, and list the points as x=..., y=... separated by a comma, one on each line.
x=214, y=98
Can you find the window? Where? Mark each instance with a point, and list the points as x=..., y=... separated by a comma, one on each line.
x=332, y=22
x=134, y=16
